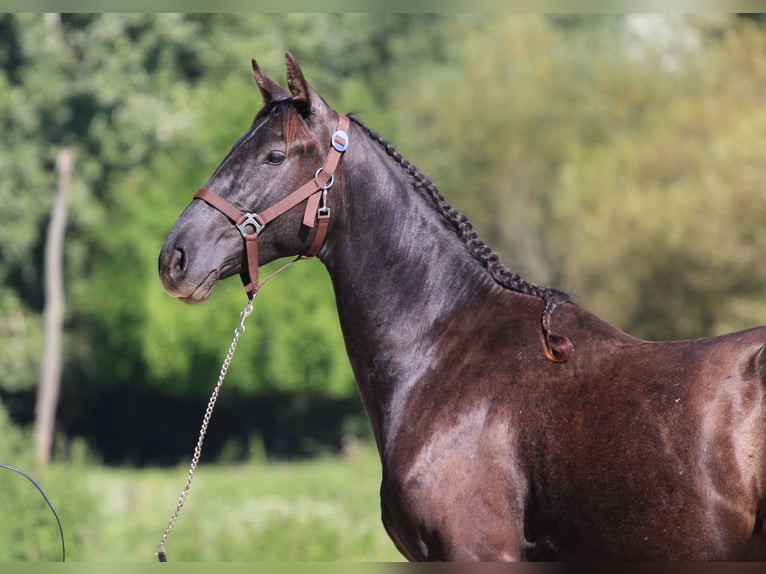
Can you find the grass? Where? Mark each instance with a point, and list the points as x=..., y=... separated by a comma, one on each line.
x=325, y=509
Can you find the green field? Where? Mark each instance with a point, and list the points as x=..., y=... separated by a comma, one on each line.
x=325, y=509
x=318, y=510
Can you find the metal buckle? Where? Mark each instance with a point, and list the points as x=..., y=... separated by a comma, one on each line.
x=251, y=222
x=340, y=141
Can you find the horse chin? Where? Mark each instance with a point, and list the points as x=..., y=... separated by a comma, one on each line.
x=202, y=292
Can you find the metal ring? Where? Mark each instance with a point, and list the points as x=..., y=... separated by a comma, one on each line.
x=250, y=222
x=342, y=145
x=327, y=185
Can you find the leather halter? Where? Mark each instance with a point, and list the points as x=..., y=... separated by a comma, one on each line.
x=250, y=225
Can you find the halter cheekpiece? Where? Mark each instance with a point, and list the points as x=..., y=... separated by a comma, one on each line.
x=317, y=213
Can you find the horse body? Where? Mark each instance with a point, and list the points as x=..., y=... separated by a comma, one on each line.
x=504, y=451
x=491, y=449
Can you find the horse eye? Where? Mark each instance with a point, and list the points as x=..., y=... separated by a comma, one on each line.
x=275, y=157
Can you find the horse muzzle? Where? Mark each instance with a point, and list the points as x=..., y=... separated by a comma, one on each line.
x=188, y=275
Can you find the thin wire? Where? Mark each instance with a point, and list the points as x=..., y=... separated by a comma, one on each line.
x=238, y=332
x=47, y=501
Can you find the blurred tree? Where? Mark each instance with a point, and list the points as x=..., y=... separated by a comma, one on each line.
x=49, y=387
x=585, y=162
x=86, y=82
x=516, y=98
x=177, y=347
x=660, y=227
x=152, y=103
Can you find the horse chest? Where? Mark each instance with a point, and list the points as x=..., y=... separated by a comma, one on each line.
x=452, y=483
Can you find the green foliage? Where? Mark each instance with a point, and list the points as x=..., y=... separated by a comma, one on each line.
x=324, y=509
x=21, y=336
x=660, y=228
x=28, y=530
x=132, y=329
x=515, y=99
x=618, y=168
x=101, y=84
x=624, y=169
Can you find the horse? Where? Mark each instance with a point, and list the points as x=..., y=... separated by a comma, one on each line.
x=511, y=423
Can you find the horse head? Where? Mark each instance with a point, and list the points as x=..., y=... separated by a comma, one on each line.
x=288, y=145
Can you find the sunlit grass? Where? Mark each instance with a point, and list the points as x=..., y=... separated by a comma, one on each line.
x=325, y=509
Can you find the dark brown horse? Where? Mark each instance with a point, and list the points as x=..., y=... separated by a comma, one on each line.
x=511, y=423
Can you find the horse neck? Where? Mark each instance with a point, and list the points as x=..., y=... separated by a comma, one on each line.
x=399, y=272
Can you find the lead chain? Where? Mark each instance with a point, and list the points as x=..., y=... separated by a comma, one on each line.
x=238, y=332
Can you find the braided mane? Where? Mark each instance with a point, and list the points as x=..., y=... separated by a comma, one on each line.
x=557, y=347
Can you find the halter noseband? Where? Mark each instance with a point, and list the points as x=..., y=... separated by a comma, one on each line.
x=250, y=225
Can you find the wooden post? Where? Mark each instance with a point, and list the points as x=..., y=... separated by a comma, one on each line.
x=53, y=313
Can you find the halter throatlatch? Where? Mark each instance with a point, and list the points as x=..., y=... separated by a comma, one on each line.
x=317, y=213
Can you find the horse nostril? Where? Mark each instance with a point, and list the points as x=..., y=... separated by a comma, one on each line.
x=178, y=264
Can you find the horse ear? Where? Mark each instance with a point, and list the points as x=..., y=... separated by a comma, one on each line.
x=270, y=90
x=303, y=94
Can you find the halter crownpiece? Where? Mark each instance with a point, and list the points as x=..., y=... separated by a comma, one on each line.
x=314, y=192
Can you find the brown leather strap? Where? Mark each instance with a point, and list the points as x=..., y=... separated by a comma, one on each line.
x=311, y=192
x=322, y=223
x=250, y=275
x=221, y=205
x=312, y=186
x=312, y=206
x=251, y=249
